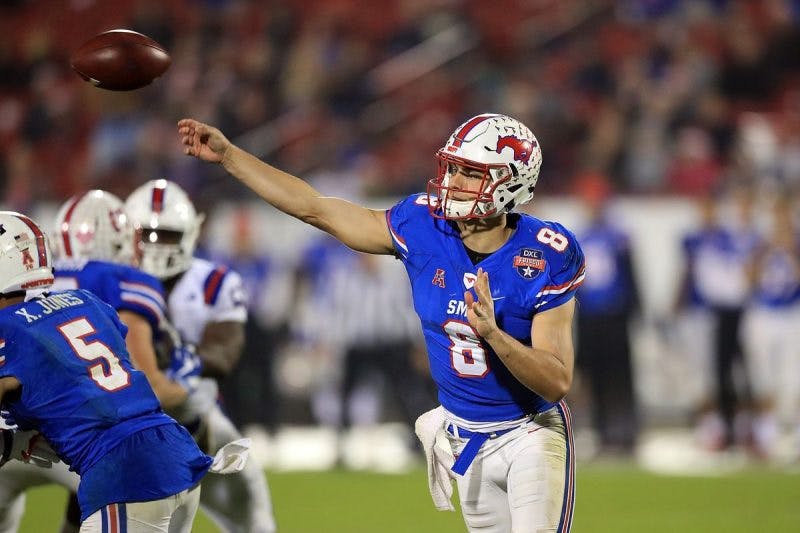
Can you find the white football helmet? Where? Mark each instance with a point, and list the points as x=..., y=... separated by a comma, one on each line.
x=169, y=224
x=504, y=150
x=25, y=261
x=95, y=225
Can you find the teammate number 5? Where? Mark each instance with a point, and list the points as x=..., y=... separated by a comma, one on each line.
x=116, y=377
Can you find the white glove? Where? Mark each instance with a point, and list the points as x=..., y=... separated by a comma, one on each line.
x=28, y=447
x=232, y=457
x=429, y=428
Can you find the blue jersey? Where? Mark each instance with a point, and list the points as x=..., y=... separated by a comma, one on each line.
x=718, y=262
x=538, y=268
x=80, y=390
x=778, y=283
x=123, y=287
x=609, y=287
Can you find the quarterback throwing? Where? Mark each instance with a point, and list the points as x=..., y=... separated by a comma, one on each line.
x=494, y=291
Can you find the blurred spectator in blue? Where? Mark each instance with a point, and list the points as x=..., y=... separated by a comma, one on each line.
x=719, y=260
x=607, y=301
x=771, y=334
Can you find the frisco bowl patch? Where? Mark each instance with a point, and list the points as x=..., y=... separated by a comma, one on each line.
x=529, y=263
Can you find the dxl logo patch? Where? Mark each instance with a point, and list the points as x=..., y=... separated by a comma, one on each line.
x=529, y=263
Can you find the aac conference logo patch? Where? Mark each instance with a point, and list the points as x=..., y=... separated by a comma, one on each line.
x=529, y=263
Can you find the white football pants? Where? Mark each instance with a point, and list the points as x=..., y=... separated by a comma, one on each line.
x=174, y=514
x=771, y=339
x=522, y=481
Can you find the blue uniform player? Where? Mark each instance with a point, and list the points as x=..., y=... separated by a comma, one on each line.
x=65, y=371
x=98, y=250
x=95, y=248
x=771, y=337
x=608, y=302
x=500, y=353
x=206, y=306
x=720, y=259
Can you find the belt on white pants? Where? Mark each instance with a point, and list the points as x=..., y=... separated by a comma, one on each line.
x=473, y=446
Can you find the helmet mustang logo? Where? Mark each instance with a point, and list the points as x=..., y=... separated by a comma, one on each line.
x=523, y=148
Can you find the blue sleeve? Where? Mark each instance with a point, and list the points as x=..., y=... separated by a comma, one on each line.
x=400, y=220
x=566, y=272
x=142, y=294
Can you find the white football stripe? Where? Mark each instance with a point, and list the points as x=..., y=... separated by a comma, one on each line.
x=145, y=302
x=144, y=289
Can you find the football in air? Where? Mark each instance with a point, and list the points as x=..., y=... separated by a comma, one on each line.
x=120, y=60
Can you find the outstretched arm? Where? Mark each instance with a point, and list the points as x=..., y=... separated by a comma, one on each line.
x=356, y=226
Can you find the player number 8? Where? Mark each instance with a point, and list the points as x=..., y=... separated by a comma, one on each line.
x=467, y=354
x=556, y=241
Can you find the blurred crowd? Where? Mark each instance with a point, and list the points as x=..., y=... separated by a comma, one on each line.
x=658, y=98
x=732, y=323
x=663, y=96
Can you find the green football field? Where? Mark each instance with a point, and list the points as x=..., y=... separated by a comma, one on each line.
x=610, y=499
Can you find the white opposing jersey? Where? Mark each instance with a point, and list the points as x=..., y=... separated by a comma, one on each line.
x=206, y=293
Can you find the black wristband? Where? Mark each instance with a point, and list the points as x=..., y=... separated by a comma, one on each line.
x=8, y=444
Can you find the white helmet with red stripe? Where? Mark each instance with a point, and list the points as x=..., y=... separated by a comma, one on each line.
x=25, y=261
x=170, y=227
x=504, y=150
x=95, y=225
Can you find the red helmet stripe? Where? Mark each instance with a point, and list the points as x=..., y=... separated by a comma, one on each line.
x=157, y=199
x=466, y=128
x=65, y=225
x=39, y=237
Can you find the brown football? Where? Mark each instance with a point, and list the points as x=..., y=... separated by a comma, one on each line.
x=120, y=60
